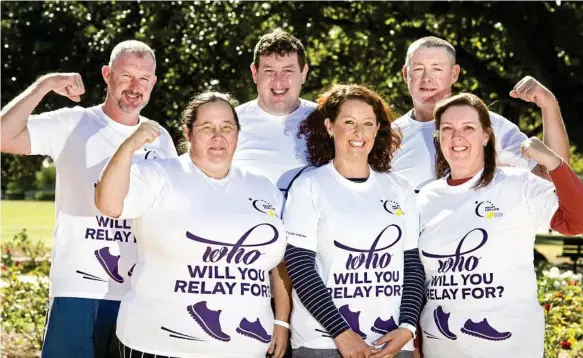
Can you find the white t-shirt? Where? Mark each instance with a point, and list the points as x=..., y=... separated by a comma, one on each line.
x=92, y=254
x=415, y=160
x=269, y=144
x=201, y=286
x=359, y=232
x=477, y=250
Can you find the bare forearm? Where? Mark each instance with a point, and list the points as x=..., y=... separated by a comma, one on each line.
x=14, y=115
x=554, y=133
x=281, y=287
x=114, y=184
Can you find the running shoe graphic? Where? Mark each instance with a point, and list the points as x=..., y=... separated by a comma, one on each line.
x=208, y=320
x=253, y=330
x=384, y=327
x=441, y=321
x=352, y=319
x=109, y=263
x=484, y=330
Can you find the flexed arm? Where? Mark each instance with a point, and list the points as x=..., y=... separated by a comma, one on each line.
x=114, y=184
x=14, y=116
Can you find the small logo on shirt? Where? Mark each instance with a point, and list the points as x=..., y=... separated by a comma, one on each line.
x=150, y=154
x=263, y=206
x=392, y=207
x=487, y=209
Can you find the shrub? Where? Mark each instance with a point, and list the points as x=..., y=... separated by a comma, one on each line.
x=561, y=295
x=46, y=195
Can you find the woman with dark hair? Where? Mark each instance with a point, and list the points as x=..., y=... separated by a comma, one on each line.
x=352, y=229
x=208, y=236
x=478, y=224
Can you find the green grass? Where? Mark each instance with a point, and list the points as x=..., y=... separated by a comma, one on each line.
x=37, y=217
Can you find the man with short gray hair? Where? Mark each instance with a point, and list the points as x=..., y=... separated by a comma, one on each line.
x=93, y=255
x=430, y=71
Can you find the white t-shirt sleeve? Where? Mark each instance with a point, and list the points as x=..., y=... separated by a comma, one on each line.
x=509, y=137
x=169, y=147
x=300, y=216
x=411, y=230
x=541, y=199
x=148, y=188
x=49, y=131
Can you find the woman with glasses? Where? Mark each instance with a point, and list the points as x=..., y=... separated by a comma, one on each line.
x=208, y=235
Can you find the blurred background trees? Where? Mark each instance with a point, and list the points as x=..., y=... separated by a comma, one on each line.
x=205, y=45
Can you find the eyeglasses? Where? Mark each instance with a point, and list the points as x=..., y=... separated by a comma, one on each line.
x=211, y=129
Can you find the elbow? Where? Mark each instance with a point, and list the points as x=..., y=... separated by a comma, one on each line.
x=105, y=205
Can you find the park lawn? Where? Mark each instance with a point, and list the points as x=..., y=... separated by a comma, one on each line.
x=37, y=217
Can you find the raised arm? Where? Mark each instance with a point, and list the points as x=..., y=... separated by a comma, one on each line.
x=114, y=184
x=554, y=133
x=14, y=116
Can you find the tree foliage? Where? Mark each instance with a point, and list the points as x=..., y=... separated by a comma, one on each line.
x=206, y=45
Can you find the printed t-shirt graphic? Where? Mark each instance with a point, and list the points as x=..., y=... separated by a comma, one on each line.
x=415, y=159
x=359, y=232
x=477, y=251
x=269, y=145
x=201, y=286
x=92, y=254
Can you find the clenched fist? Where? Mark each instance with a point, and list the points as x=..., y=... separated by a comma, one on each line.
x=147, y=132
x=66, y=84
x=530, y=90
x=536, y=150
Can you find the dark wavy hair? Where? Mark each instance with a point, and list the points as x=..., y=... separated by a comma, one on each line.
x=442, y=167
x=319, y=144
x=190, y=113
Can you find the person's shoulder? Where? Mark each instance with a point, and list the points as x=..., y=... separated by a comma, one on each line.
x=506, y=174
x=246, y=107
x=396, y=180
x=252, y=177
x=308, y=105
x=499, y=122
x=403, y=121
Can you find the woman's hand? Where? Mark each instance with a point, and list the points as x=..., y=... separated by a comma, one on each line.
x=147, y=132
x=278, y=341
x=536, y=150
x=393, y=341
x=351, y=345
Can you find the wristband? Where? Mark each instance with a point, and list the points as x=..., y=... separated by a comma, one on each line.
x=281, y=323
x=409, y=327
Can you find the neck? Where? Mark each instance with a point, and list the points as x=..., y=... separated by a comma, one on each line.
x=211, y=173
x=281, y=112
x=351, y=168
x=113, y=112
x=423, y=113
x=462, y=173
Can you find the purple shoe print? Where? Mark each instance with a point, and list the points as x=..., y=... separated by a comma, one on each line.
x=441, y=321
x=253, y=330
x=208, y=320
x=352, y=320
x=109, y=263
x=384, y=327
x=484, y=330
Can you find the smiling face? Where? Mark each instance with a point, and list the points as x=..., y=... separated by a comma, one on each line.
x=354, y=130
x=213, y=138
x=429, y=75
x=130, y=80
x=462, y=139
x=279, y=82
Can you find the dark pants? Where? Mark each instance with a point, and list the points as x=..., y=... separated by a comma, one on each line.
x=80, y=327
x=304, y=352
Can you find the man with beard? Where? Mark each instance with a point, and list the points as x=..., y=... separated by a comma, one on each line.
x=93, y=255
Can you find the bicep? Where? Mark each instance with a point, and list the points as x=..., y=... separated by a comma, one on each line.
x=19, y=144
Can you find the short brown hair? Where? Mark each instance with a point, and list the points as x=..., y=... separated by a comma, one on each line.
x=320, y=146
x=442, y=167
x=190, y=113
x=280, y=43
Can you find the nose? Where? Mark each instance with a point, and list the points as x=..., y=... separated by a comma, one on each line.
x=456, y=133
x=358, y=130
x=279, y=77
x=425, y=76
